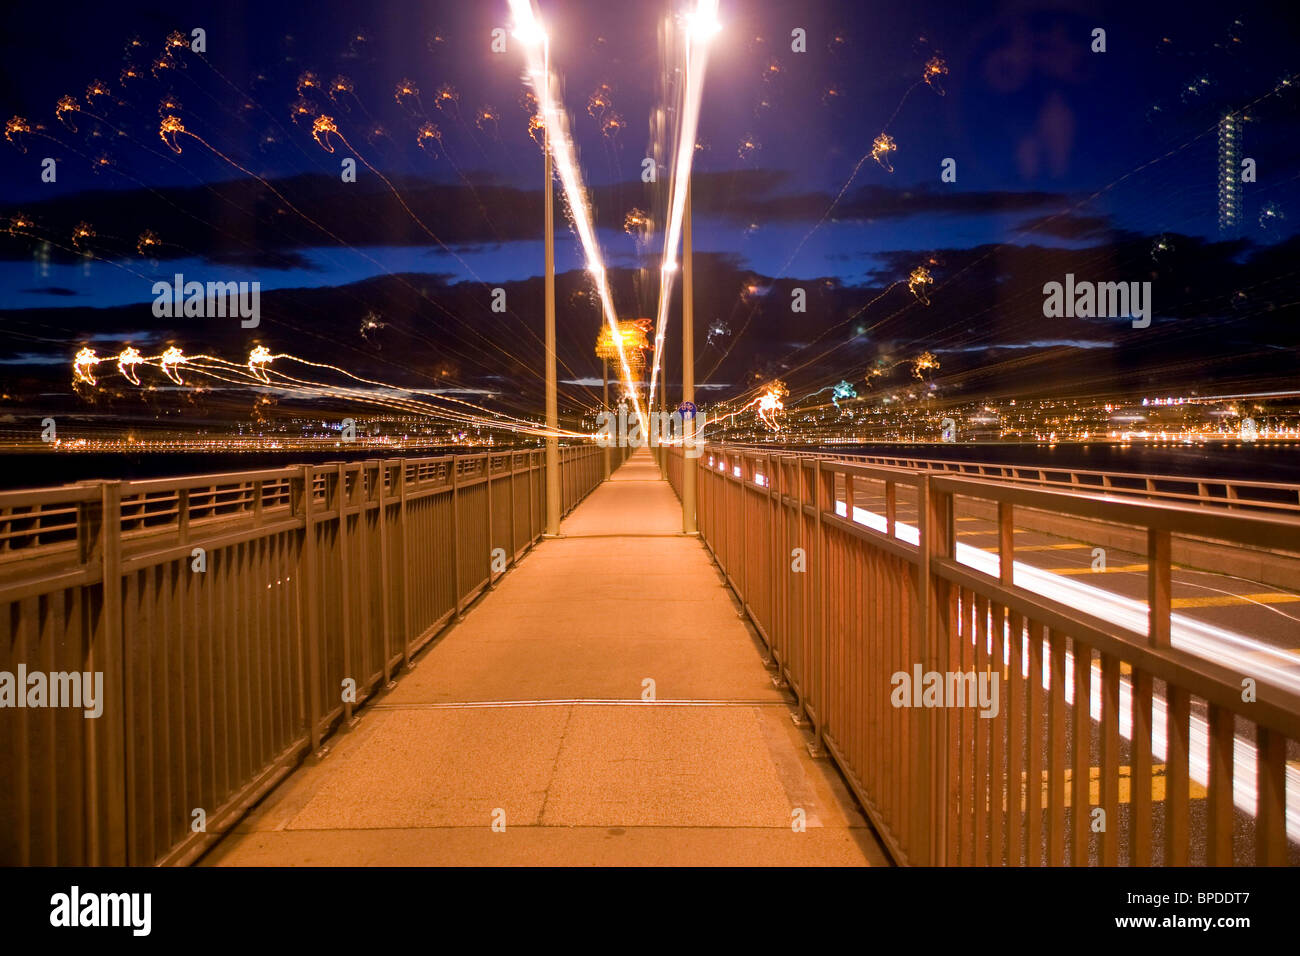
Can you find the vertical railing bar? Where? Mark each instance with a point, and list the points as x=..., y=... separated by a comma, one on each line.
x=1108, y=730
x=456, y=556
x=1270, y=822
x=1218, y=844
x=1006, y=544
x=1178, y=705
x=345, y=585
x=1056, y=751
x=1080, y=815
x=405, y=545
x=310, y=631
x=1140, y=769
x=1159, y=587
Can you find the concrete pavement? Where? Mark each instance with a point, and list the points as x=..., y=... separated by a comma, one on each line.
x=522, y=736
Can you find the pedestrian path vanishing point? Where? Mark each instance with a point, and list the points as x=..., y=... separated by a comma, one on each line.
x=529, y=714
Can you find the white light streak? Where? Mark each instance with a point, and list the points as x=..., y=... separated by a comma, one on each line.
x=527, y=27
x=701, y=25
x=1187, y=634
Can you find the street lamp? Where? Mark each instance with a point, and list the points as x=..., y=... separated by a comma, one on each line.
x=688, y=373
x=528, y=30
x=553, y=506
x=702, y=23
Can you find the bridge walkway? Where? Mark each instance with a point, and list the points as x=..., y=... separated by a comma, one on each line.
x=521, y=736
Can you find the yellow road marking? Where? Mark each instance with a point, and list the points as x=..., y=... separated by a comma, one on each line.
x=1194, y=790
x=1041, y=547
x=1232, y=600
x=1109, y=569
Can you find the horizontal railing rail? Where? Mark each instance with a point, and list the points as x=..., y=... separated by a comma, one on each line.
x=237, y=619
x=1225, y=492
x=848, y=598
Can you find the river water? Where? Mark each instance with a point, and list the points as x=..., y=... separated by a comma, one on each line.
x=1276, y=462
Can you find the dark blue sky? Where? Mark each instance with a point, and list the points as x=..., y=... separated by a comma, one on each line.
x=1055, y=145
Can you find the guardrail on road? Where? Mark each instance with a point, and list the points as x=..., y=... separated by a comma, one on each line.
x=1228, y=493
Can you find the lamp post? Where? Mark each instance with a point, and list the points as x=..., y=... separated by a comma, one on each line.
x=688, y=372
x=604, y=364
x=553, y=507
x=703, y=26
x=663, y=407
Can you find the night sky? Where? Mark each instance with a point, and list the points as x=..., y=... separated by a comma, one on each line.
x=1103, y=164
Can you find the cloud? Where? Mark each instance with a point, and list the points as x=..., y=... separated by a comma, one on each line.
x=33, y=358
x=1071, y=226
x=257, y=259
x=763, y=200
x=462, y=216
x=1037, y=344
x=56, y=290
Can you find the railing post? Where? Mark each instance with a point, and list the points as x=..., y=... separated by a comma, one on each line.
x=514, y=536
x=404, y=531
x=106, y=777
x=309, y=610
x=743, y=557
x=1006, y=543
x=487, y=474
x=932, y=744
x=183, y=516
x=341, y=497
x=823, y=497
x=804, y=590
x=1159, y=592
x=891, y=508
x=773, y=557
x=532, y=495
x=385, y=580
x=455, y=533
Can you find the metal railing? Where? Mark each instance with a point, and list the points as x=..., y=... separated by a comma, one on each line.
x=847, y=599
x=237, y=620
x=1229, y=493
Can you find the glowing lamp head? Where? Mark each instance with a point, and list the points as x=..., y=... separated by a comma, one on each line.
x=528, y=29
x=530, y=35
x=702, y=23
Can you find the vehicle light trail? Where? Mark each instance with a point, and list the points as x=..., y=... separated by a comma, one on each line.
x=701, y=25
x=1195, y=637
x=528, y=30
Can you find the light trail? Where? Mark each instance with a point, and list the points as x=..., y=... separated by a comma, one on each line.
x=767, y=404
x=259, y=369
x=257, y=372
x=528, y=30
x=171, y=127
x=701, y=25
x=496, y=416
